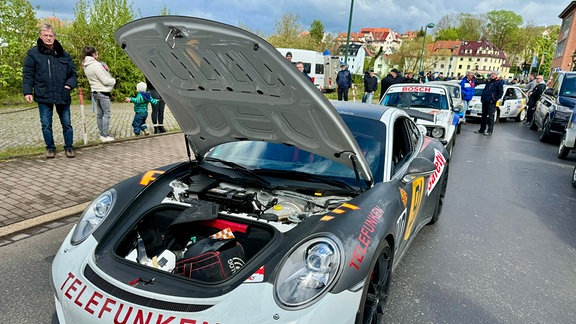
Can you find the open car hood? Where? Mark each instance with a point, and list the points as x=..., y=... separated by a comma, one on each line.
x=225, y=84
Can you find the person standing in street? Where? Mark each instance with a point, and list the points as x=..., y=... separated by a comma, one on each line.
x=531, y=84
x=389, y=80
x=48, y=76
x=467, y=86
x=409, y=77
x=157, y=109
x=300, y=67
x=533, y=98
x=344, y=82
x=370, y=86
x=101, y=85
x=493, y=91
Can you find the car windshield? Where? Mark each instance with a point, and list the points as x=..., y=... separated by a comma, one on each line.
x=415, y=100
x=265, y=156
x=569, y=86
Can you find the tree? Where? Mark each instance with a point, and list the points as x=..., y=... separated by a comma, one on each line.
x=470, y=27
x=95, y=26
x=501, y=27
x=287, y=32
x=317, y=31
x=18, y=33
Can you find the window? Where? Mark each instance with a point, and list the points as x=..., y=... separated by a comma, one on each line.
x=404, y=143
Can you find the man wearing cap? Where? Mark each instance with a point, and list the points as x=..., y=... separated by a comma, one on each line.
x=409, y=77
x=389, y=80
x=370, y=86
x=493, y=91
x=344, y=82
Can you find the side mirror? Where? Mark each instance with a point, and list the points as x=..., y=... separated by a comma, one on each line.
x=419, y=167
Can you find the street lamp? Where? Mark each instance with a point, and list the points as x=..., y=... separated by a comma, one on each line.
x=430, y=25
x=451, y=55
x=348, y=35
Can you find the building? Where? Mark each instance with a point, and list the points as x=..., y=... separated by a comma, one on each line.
x=565, y=54
x=481, y=57
x=356, y=56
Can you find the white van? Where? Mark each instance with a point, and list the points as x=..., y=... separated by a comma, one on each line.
x=321, y=69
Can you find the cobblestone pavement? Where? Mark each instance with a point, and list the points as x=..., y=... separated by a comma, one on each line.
x=36, y=190
x=21, y=127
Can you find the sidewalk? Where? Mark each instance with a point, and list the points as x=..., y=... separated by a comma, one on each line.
x=36, y=190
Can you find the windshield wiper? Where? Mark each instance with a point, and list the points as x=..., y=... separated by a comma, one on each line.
x=242, y=169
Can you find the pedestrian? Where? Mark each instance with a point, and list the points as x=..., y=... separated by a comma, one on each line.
x=344, y=82
x=101, y=85
x=370, y=86
x=389, y=80
x=157, y=109
x=409, y=77
x=140, y=102
x=300, y=67
x=533, y=98
x=467, y=86
x=48, y=76
x=493, y=91
x=289, y=56
x=531, y=84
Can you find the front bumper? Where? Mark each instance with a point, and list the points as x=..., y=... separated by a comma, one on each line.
x=79, y=300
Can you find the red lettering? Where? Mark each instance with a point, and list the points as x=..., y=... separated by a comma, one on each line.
x=140, y=317
x=70, y=276
x=77, y=300
x=359, y=253
x=416, y=89
x=352, y=264
x=105, y=307
x=72, y=287
x=187, y=321
x=364, y=238
x=168, y=320
x=92, y=301
x=119, y=311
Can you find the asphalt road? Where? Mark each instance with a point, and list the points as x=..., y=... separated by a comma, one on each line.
x=503, y=251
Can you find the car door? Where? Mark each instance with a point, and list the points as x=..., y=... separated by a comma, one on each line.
x=509, y=102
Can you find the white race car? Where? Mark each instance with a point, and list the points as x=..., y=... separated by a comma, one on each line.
x=513, y=104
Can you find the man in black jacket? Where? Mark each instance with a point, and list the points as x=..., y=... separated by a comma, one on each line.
x=533, y=97
x=493, y=91
x=48, y=76
x=390, y=79
x=370, y=86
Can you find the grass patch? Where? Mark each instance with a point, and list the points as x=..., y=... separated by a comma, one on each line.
x=20, y=152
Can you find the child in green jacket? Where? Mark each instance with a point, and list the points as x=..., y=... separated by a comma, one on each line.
x=141, y=108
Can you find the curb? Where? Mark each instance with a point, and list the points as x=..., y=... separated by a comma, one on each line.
x=46, y=218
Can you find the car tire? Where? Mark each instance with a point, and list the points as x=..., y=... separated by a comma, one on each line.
x=375, y=292
x=562, y=149
x=521, y=115
x=440, y=200
x=574, y=177
x=545, y=135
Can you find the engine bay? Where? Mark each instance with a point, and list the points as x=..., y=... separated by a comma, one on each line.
x=206, y=229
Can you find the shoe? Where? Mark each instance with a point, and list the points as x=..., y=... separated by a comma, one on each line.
x=478, y=132
x=487, y=133
x=69, y=153
x=146, y=131
x=50, y=154
x=136, y=134
x=161, y=129
x=156, y=130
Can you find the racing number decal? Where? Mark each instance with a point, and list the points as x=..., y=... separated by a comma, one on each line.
x=149, y=177
x=417, y=194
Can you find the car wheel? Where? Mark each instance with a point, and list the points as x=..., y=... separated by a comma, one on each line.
x=440, y=200
x=574, y=177
x=521, y=116
x=562, y=149
x=376, y=288
x=545, y=135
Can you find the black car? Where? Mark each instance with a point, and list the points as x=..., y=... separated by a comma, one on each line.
x=554, y=107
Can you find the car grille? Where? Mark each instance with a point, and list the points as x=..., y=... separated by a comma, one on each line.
x=107, y=287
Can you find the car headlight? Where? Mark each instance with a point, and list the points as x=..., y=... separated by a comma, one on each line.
x=438, y=132
x=308, y=272
x=93, y=216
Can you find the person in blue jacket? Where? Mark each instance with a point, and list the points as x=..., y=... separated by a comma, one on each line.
x=48, y=76
x=493, y=91
x=344, y=82
x=467, y=84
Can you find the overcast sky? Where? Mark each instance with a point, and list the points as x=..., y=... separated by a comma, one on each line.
x=260, y=16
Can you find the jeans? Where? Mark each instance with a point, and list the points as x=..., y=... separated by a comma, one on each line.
x=139, y=122
x=46, y=113
x=342, y=92
x=487, y=116
x=157, y=109
x=102, y=113
x=370, y=96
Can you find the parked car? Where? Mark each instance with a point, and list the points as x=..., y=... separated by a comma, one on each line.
x=455, y=91
x=568, y=141
x=553, y=110
x=431, y=98
x=513, y=104
x=293, y=209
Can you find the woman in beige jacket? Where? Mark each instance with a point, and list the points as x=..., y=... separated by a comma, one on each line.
x=101, y=84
